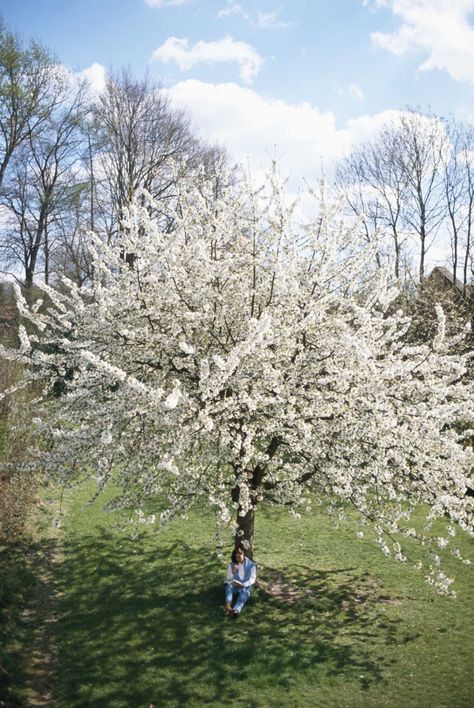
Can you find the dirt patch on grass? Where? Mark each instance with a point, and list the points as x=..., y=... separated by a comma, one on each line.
x=276, y=584
x=290, y=590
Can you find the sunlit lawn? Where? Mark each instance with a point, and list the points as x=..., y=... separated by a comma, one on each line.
x=141, y=620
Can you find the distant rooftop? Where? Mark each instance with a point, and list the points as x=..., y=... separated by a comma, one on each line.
x=449, y=277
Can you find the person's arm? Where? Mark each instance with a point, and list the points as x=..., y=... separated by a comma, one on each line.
x=253, y=576
x=230, y=575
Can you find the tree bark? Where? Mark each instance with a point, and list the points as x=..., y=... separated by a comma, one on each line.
x=255, y=477
x=28, y=278
x=245, y=530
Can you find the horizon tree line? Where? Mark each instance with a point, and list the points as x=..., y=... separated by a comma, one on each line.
x=71, y=163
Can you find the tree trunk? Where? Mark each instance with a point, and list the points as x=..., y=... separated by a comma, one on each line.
x=91, y=167
x=246, y=523
x=422, y=257
x=27, y=289
x=46, y=254
x=245, y=529
x=4, y=164
x=28, y=278
x=397, y=259
x=455, y=257
x=468, y=250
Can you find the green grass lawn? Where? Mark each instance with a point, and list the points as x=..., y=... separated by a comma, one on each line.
x=17, y=581
x=28, y=583
x=141, y=621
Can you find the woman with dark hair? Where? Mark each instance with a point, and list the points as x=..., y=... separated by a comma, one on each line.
x=241, y=575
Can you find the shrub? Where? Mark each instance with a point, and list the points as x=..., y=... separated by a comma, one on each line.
x=17, y=486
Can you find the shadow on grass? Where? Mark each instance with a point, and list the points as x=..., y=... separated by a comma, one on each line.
x=27, y=587
x=16, y=580
x=143, y=626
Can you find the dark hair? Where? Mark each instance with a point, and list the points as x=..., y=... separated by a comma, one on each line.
x=234, y=553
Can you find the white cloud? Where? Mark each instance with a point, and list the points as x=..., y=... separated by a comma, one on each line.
x=353, y=91
x=234, y=9
x=271, y=20
x=263, y=20
x=366, y=127
x=255, y=128
x=95, y=75
x=438, y=28
x=222, y=50
x=167, y=3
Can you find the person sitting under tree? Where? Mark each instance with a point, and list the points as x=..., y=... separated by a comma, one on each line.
x=241, y=575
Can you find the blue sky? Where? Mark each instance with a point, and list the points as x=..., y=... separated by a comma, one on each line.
x=305, y=79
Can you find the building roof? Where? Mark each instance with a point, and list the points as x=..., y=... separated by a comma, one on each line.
x=449, y=277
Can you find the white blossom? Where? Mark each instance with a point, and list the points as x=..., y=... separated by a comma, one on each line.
x=174, y=397
x=248, y=357
x=106, y=437
x=186, y=348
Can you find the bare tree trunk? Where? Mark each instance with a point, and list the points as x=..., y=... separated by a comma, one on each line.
x=470, y=213
x=467, y=254
x=38, y=241
x=245, y=531
x=397, y=256
x=422, y=256
x=91, y=167
x=29, y=274
x=46, y=254
x=455, y=255
x=4, y=165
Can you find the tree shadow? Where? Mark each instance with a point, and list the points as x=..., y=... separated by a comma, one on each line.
x=27, y=646
x=141, y=627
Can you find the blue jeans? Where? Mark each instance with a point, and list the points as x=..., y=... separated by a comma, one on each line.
x=241, y=595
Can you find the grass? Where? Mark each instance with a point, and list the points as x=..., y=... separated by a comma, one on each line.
x=140, y=621
x=27, y=588
x=17, y=582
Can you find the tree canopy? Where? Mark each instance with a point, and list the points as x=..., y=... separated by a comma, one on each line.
x=246, y=357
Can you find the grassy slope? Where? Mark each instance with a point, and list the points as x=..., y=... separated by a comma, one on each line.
x=17, y=583
x=141, y=621
x=28, y=603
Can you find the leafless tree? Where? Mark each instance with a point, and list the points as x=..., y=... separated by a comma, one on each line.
x=41, y=183
x=454, y=190
x=375, y=185
x=143, y=143
x=67, y=168
x=137, y=141
x=27, y=75
x=468, y=166
x=71, y=255
x=459, y=197
x=423, y=146
x=395, y=182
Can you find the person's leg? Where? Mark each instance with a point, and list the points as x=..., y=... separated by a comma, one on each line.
x=242, y=598
x=229, y=596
